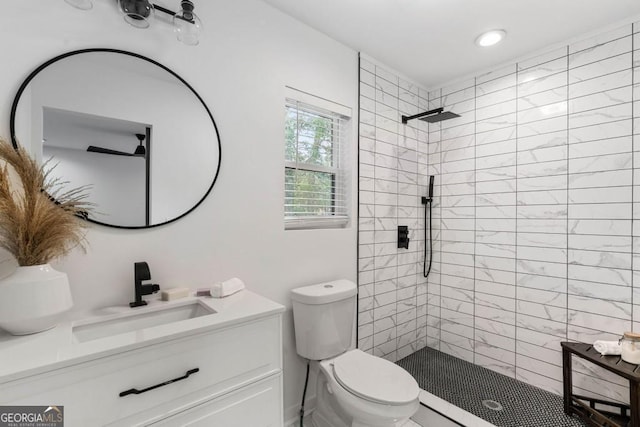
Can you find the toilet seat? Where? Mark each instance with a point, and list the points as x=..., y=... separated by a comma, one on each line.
x=374, y=379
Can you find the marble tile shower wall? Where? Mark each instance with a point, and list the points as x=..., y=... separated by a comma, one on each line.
x=392, y=291
x=535, y=215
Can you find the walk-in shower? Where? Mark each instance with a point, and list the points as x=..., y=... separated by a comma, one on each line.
x=431, y=116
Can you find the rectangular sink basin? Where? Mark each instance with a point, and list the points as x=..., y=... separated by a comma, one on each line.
x=145, y=318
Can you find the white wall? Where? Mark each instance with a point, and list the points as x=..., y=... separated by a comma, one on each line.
x=118, y=182
x=248, y=55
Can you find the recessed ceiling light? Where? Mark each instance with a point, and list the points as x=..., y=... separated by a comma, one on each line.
x=490, y=38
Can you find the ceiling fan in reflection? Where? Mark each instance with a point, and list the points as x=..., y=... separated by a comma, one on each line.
x=140, y=150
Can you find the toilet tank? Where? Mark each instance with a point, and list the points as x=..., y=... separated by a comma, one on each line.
x=323, y=317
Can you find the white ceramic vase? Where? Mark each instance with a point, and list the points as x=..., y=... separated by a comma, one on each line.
x=33, y=299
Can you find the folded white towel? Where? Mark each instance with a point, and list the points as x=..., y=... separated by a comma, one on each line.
x=226, y=288
x=608, y=348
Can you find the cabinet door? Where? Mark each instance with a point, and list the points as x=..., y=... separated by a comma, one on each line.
x=257, y=405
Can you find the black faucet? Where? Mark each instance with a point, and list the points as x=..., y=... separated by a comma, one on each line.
x=141, y=272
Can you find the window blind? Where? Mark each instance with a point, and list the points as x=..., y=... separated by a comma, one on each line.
x=315, y=175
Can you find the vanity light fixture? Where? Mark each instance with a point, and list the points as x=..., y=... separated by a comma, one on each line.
x=490, y=38
x=186, y=24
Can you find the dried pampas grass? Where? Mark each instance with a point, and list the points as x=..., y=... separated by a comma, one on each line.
x=39, y=220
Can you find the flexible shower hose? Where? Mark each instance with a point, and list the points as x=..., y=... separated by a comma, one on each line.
x=427, y=205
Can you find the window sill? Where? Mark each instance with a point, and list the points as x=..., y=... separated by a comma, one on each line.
x=315, y=223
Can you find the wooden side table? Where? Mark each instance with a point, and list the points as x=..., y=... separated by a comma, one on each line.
x=585, y=407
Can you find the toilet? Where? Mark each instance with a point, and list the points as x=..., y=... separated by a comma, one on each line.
x=354, y=389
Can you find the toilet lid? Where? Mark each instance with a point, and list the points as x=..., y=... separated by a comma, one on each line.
x=374, y=379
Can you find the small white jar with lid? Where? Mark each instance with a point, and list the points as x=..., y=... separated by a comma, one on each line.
x=630, y=342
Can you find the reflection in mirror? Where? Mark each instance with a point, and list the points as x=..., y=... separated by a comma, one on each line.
x=119, y=176
x=128, y=127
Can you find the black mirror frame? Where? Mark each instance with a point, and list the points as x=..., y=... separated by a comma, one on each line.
x=24, y=84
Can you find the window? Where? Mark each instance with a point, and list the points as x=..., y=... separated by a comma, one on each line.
x=315, y=193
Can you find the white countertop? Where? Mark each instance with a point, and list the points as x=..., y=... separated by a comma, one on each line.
x=22, y=356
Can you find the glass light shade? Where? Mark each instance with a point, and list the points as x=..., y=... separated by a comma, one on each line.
x=187, y=25
x=136, y=12
x=490, y=38
x=80, y=4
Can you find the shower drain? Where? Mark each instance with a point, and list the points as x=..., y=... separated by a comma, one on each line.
x=492, y=404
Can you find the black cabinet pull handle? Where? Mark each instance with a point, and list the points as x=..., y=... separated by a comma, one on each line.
x=144, y=390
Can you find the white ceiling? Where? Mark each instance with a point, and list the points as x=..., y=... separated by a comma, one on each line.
x=432, y=42
x=75, y=130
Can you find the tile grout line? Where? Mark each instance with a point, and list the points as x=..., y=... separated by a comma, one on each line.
x=358, y=213
x=440, y=228
x=375, y=256
x=429, y=169
x=397, y=218
x=475, y=207
x=435, y=165
x=424, y=243
x=397, y=256
x=515, y=258
x=419, y=277
x=633, y=172
x=566, y=327
x=414, y=343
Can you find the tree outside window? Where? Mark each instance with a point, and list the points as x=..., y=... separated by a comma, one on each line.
x=313, y=187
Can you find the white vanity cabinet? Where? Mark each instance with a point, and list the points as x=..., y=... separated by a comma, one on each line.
x=234, y=379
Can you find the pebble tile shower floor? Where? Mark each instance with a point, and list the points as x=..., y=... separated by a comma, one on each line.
x=466, y=385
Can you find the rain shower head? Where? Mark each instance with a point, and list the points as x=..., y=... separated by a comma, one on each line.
x=431, y=116
x=445, y=115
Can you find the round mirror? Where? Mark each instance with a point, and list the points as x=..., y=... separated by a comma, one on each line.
x=127, y=126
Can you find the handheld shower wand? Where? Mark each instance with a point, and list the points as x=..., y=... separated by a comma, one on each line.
x=429, y=199
x=431, y=179
x=427, y=202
